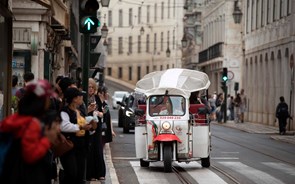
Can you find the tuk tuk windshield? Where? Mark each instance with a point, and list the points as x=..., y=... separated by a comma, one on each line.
x=163, y=105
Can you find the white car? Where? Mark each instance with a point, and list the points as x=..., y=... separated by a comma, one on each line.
x=118, y=96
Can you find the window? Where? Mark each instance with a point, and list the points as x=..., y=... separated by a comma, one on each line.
x=138, y=73
x=147, y=69
x=120, y=73
x=162, y=10
x=168, y=38
x=148, y=14
x=262, y=13
x=167, y=66
x=120, y=45
x=161, y=67
x=139, y=15
x=155, y=13
x=130, y=44
x=162, y=41
x=155, y=42
x=110, y=46
x=147, y=43
x=109, y=71
x=281, y=9
x=110, y=18
x=274, y=10
x=130, y=17
x=174, y=6
x=173, y=40
x=168, y=10
x=120, y=18
x=268, y=5
x=139, y=44
x=130, y=72
x=288, y=7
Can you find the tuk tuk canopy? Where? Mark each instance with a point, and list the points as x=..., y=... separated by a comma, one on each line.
x=175, y=81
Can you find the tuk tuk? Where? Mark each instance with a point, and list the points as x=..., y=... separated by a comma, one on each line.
x=173, y=129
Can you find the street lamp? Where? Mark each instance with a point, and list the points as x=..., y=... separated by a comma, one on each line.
x=141, y=31
x=104, y=31
x=237, y=14
x=105, y=43
x=168, y=52
x=184, y=41
x=105, y=3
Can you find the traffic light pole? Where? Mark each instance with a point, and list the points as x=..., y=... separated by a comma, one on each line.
x=85, y=60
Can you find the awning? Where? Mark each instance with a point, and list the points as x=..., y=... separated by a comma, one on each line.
x=176, y=81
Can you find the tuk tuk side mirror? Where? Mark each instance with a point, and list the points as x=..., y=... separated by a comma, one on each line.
x=139, y=112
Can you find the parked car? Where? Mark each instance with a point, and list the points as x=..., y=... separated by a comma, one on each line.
x=118, y=96
x=126, y=113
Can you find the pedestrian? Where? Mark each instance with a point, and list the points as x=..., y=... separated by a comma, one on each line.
x=243, y=105
x=282, y=114
x=34, y=131
x=74, y=128
x=237, y=108
x=220, y=107
x=212, y=103
x=14, y=99
x=95, y=157
x=28, y=77
x=14, y=85
x=108, y=134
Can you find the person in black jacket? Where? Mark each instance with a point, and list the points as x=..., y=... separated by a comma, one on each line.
x=282, y=114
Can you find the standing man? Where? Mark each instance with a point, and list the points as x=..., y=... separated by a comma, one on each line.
x=243, y=105
x=28, y=77
x=282, y=114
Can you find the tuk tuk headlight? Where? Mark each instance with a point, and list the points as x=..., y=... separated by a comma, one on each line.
x=166, y=125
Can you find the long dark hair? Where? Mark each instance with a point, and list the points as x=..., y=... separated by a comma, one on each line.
x=32, y=105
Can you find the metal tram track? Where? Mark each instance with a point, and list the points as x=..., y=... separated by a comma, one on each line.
x=254, y=150
x=180, y=176
x=185, y=180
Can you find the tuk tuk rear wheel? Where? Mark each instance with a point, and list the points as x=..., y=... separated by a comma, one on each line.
x=167, y=158
x=144, y=163
x=205, y=162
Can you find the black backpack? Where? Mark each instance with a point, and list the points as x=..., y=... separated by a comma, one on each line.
x=282, y=111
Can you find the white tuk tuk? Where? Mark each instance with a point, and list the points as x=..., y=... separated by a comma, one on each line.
x=174, y=129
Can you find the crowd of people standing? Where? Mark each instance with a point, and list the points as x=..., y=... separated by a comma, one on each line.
x=44, y=113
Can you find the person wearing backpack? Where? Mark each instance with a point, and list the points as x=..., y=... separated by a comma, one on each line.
x=282, y=114
x=32, y=131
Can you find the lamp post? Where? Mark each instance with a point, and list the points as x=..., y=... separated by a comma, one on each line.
x=237, y=14
x=184, y=41
x=104, y=31
x=105, y=3
x=141, y=31
x=168, y=52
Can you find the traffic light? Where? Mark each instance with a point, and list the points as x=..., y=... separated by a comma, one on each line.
x=223, y=86
x=88, y=16
x=224, y=75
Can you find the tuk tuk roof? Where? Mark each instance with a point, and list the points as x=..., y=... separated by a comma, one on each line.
x=177, y=81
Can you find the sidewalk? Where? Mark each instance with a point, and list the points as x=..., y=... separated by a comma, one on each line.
x=111, y=176
x=261, y=129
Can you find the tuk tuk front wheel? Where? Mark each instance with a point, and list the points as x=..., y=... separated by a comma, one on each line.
x=144, y=163
x=205, y=162
x=168, y=158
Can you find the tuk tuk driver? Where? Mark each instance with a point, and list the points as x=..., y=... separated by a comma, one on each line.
x=169, y=110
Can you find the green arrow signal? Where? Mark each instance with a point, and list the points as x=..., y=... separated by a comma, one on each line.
x=88, y=21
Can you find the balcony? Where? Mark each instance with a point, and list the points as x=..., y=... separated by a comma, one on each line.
x=211, y=53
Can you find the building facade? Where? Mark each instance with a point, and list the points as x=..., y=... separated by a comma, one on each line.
x=140, y=34
x=221, y=45
x=268, y=71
